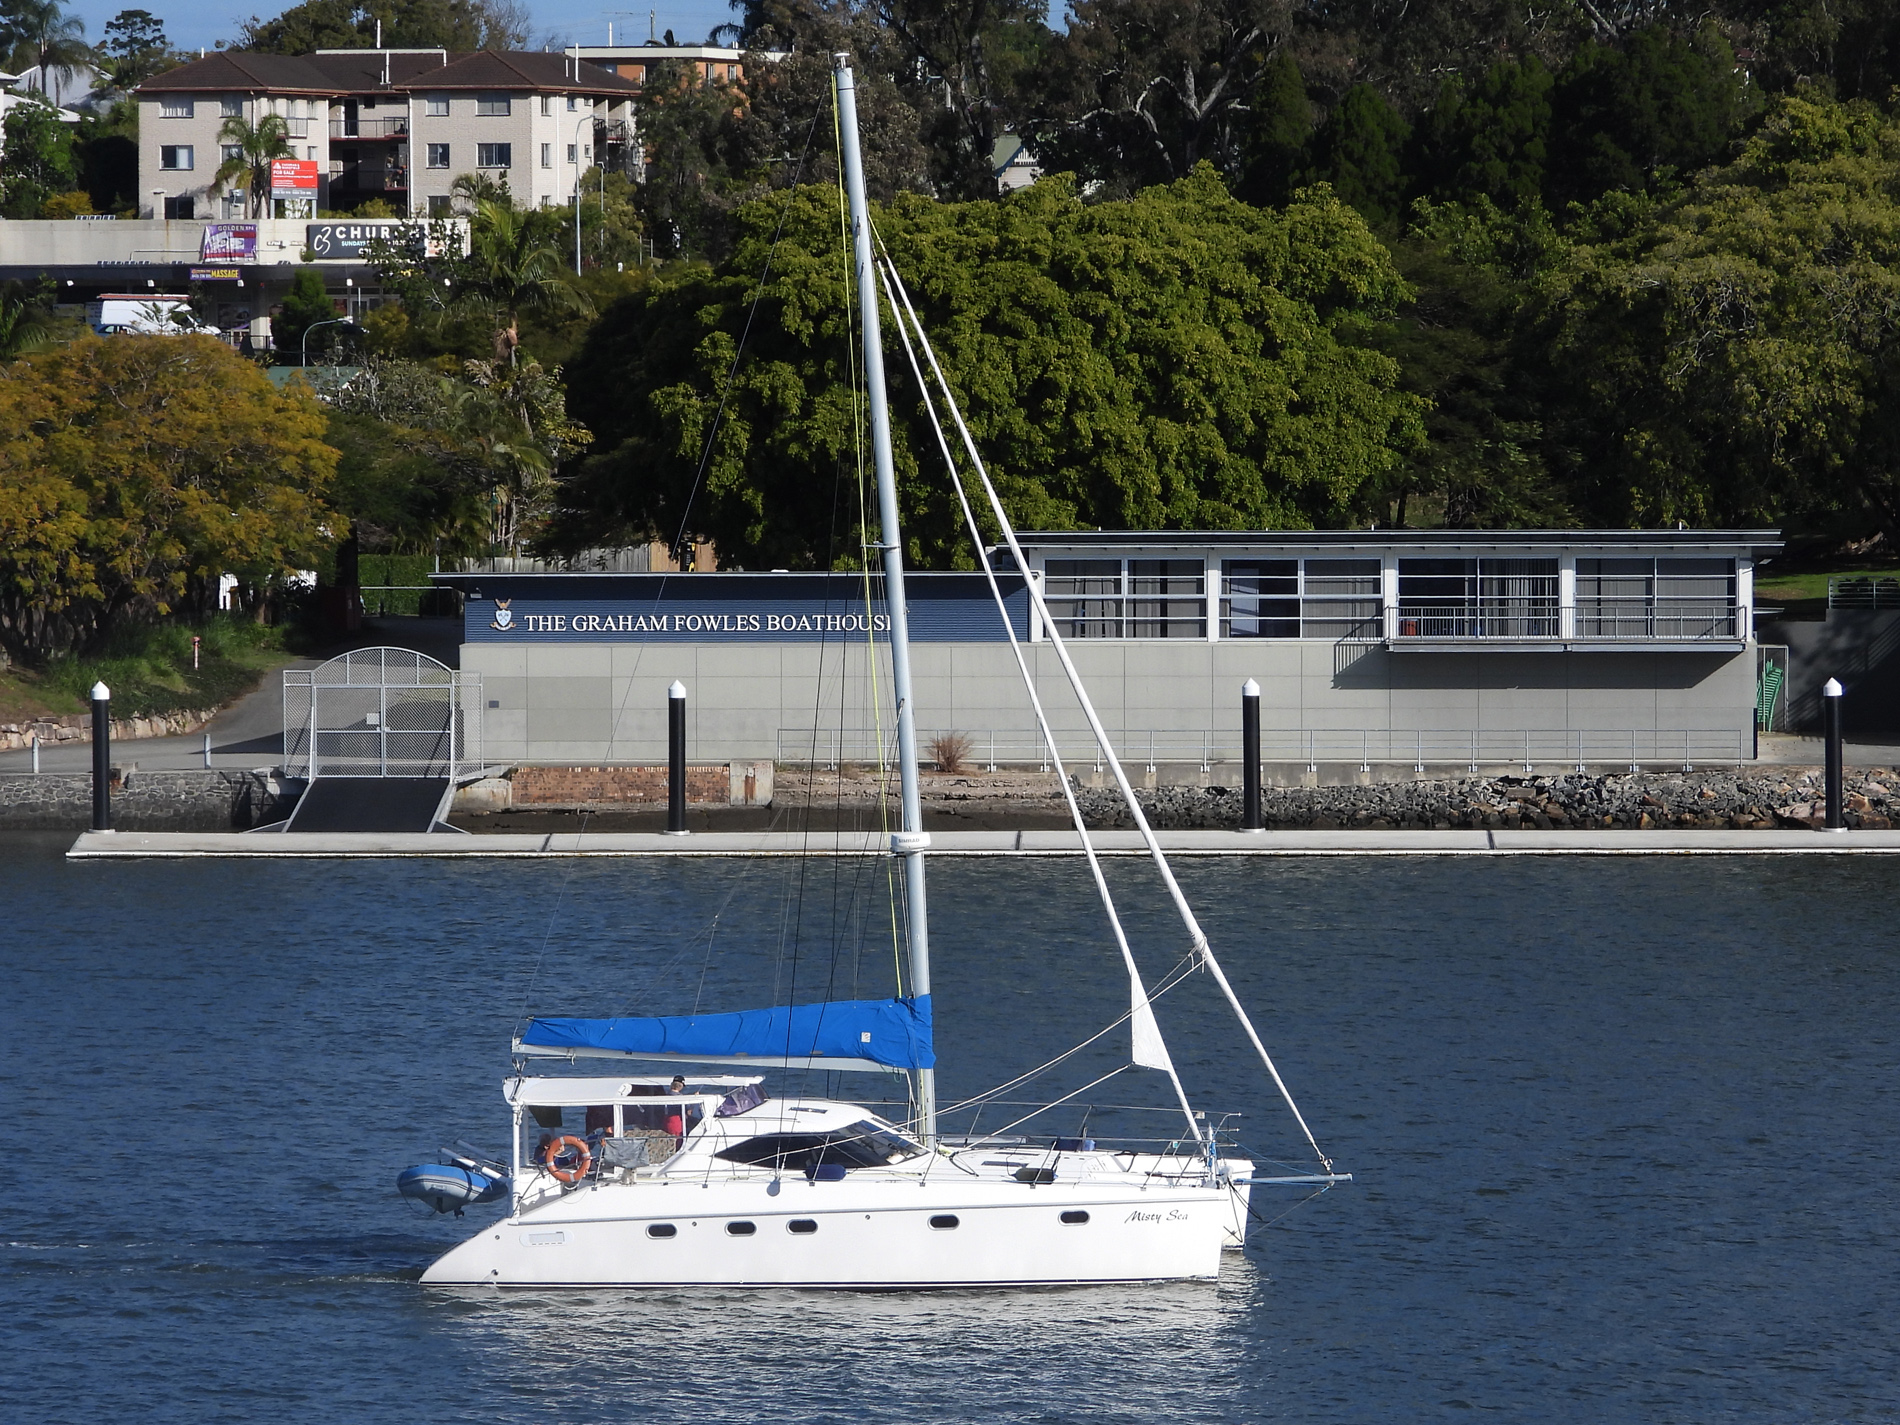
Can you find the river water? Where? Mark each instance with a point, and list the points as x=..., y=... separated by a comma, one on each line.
x=1624, y=1132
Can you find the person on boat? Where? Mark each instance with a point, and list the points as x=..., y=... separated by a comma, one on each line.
x=676, y=1112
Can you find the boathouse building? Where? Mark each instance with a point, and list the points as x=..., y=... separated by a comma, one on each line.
x=1434, y=647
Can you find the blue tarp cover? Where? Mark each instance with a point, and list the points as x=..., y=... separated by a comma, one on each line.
x=895, y=1032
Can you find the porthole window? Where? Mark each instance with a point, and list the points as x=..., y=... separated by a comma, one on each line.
x=662, y=1229
x=801, y=1227
x=943, y=1222
x=740, y=1229
x=1076, y=1218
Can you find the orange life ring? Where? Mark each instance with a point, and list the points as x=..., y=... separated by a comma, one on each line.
x=560, y=1145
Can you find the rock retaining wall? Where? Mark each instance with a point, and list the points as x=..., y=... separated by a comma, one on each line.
x=17, y=736
x=146, y=801
x=1784, y=797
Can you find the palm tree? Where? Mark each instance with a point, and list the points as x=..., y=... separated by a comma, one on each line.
x=513, y=266
x=43, y=29
x=248, y=169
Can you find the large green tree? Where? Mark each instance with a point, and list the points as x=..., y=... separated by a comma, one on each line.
x=1731, y=361
x=352, y=24
x=1178, y=360
x=37, y=160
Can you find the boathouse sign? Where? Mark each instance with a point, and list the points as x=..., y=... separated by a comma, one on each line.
x=728, y=608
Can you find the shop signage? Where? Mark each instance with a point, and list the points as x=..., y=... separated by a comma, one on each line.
x=228, y=242
x=214, y=274
x=737, y=624
x=293, y=178
x=348, y=240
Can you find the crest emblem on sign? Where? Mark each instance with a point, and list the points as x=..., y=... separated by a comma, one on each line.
x=502, y=619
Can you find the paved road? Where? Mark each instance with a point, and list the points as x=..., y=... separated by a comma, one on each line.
x=249, y=733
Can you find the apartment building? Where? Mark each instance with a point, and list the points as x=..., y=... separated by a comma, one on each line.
x=395, y=125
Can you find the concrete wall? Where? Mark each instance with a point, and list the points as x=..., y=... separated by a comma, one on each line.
x=582, y=704
x=1861, y=647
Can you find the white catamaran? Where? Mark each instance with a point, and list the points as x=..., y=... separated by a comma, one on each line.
x=702, y=1179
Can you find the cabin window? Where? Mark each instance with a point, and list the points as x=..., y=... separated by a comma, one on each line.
x=862, y=1145
x=944, y=1221
x=1075, y=1218
x=662, y=1230
x=801, y=1227
x=741, y=1229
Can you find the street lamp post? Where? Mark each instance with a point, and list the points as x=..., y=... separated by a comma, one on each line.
x=584, y=123
x=333, y=322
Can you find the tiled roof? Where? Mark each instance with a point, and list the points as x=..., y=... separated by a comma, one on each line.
x=361, y=72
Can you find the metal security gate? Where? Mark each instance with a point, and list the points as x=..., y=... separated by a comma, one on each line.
x=382, y=712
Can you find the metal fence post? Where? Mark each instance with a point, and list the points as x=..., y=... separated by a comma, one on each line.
x=101, y=757
x=676, y=759
x=1251, y=819
x=1831, y=730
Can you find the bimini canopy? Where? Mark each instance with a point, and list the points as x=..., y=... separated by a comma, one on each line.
x=879, y=1034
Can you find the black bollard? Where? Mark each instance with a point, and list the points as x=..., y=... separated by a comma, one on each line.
x=676, y=759
x=1831, y=733
x=1251, y=819
x=101, y=757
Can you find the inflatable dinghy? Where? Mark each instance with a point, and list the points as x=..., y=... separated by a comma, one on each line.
x=450, y=1187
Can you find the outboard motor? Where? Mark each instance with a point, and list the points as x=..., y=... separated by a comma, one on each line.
x=451, y=1186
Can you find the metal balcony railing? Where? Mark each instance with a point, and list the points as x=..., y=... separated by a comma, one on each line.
x=1863, y=591
x=1661, y=620
x=1420, y=748
x=1480, y=619
x=369, y=128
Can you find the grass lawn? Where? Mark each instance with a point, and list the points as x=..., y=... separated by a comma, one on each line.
x=149, y=671
x=1812, y=583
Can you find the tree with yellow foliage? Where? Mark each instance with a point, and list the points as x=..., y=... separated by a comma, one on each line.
x=134, y=470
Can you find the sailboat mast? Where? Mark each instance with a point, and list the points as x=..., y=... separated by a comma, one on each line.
x=910, y=842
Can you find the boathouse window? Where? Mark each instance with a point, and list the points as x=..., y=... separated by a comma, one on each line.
x=944, y=1222
x=1142, y=598
x=1340, y=599
x=741, y=1229
x=1656, y=598
x=1478, y=598
x=662, y=1230
x=1075, y=1218
x=801, y=1227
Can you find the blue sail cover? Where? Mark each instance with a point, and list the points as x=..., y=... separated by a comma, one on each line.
x=893, y=1032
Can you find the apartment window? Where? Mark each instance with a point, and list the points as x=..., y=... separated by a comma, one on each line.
x=547, y=155
x=438, y=155
x=231, y=106
x=310, y=152
x=175, y=156
x=181, y=209
x=492, y=104
x=1156, y=598
x=231, y=151
x=233, y=205
x=1338, y=599
x=441, y=206
x=547, y=106
x=573, y=104
x=175, y=107
x=573, y=153
x=494, y=155
x=436, y=106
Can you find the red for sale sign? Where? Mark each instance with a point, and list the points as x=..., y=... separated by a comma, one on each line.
x=293, y=178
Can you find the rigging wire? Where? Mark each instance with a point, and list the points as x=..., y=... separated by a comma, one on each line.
x=1140, y=1005
x=1197, y=937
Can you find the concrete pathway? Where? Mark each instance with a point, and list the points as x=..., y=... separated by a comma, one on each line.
x=94, y=845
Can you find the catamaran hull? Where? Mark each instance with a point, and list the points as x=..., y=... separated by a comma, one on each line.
x=883, y=1237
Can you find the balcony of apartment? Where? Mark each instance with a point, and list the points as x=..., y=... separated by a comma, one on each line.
x=348, y=127
x=366, y=178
